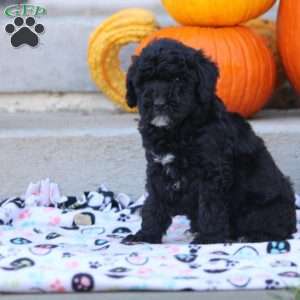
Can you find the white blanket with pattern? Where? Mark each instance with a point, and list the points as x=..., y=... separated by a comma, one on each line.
x=51, y=243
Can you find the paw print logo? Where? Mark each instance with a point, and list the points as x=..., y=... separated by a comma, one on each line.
x=272, y=284
x=24, y=31
x=82, y=282
x=278, y=247
x=123, y=218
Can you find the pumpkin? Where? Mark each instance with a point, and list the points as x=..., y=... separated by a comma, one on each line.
x=216, y=12
x=288, y=27
x=247, y=67
x=283, y=97
x=123, y=27
x=267, y=30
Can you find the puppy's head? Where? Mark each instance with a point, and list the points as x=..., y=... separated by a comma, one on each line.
x=168, y=81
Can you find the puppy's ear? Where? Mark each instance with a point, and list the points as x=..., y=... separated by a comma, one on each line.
x=207, y=73
x=130, y=89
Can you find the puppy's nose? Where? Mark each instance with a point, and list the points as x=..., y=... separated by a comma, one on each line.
x=159, y=102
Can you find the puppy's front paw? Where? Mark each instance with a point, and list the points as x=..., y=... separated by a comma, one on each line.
x=141, y=237
x=131, y=238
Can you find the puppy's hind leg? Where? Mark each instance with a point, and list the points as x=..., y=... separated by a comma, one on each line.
x=274, y=222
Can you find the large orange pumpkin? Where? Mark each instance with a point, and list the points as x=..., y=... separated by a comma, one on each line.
x=247, y=68
x=289, y=39
x=216, y=12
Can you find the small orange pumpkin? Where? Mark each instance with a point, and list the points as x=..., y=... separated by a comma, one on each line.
x=247, y=67
x=289, y=39
x=216, y=12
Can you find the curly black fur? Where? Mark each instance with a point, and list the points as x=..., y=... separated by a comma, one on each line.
x=202, y=161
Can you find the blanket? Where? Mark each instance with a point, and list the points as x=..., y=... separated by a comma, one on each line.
x=54, y=243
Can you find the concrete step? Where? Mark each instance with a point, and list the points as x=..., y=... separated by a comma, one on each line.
x=81, y=150
x=53, y=102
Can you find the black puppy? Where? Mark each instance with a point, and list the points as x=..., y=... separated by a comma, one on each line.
x=203, y=162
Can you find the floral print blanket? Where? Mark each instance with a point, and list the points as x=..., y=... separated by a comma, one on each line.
x=52, y=243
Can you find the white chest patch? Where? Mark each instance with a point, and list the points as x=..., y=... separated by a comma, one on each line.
x=164, y=159
x=160, y=121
